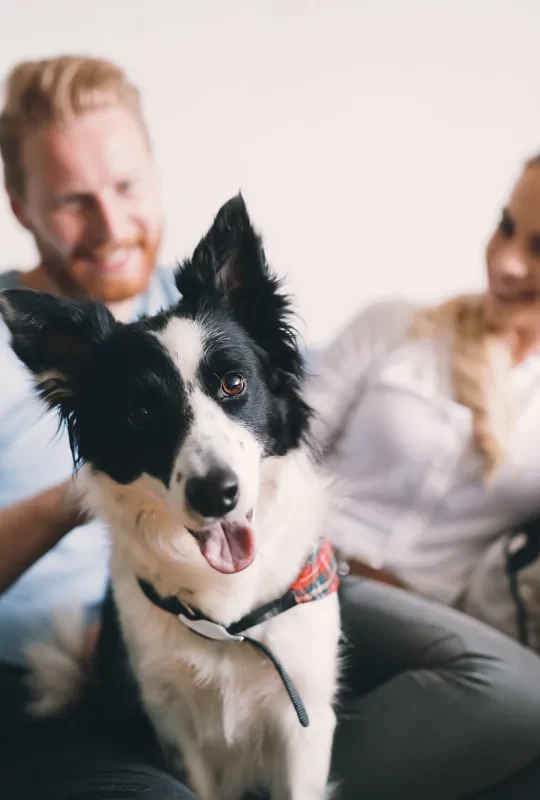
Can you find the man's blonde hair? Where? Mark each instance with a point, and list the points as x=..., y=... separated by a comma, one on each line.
x=51, y=92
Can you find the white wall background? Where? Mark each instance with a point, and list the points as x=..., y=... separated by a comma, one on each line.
x=374, y=140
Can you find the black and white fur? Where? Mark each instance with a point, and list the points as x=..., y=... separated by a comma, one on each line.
x=147, y=413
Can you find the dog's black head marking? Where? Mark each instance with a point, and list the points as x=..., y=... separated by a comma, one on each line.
x=121, y=390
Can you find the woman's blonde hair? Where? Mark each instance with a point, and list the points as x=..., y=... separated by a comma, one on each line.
x=481, y=360
x=52, y=91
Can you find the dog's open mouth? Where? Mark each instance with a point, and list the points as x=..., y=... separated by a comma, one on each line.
x=227, y=545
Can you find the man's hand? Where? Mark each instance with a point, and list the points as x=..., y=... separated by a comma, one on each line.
x=29, y=528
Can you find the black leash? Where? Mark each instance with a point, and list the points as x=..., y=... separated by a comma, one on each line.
x=202, y=625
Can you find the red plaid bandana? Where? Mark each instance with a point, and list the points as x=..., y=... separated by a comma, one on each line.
x=319, y=577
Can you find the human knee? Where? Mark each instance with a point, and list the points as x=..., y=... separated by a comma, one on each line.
x=503, y=693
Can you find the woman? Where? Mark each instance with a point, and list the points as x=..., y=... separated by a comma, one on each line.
x=431, y=418
x=430, y=421
x=435, y=705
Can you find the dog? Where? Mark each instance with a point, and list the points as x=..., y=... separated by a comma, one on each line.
x=190, y=439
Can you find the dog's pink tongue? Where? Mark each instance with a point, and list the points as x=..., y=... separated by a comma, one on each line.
x=228, y=546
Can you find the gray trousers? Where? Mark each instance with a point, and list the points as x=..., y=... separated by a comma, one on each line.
x=440, y=705
x=435, y=706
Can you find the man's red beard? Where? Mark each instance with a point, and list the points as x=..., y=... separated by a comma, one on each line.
x=81, y=276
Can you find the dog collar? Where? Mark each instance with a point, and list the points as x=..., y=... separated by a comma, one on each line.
x=319, y=578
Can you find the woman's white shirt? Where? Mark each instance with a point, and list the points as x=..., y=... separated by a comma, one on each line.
x=415, y=501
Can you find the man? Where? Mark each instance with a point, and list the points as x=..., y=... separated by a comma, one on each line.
x=81, y=178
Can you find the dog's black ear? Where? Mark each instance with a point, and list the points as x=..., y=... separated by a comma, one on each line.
x=229, y=265
x=226, y=259
x=54, y=336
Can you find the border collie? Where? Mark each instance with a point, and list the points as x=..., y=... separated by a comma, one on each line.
x=189, y=437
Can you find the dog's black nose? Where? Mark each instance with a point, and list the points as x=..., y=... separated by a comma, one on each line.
x=213, y=494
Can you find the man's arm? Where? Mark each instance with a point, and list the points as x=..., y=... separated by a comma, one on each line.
x=29, y=528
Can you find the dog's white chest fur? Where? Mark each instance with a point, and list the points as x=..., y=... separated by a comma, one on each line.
x=222, y=705
x=220, y=708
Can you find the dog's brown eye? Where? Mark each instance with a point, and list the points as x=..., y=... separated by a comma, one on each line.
x=138, y=417
x=232, y=385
